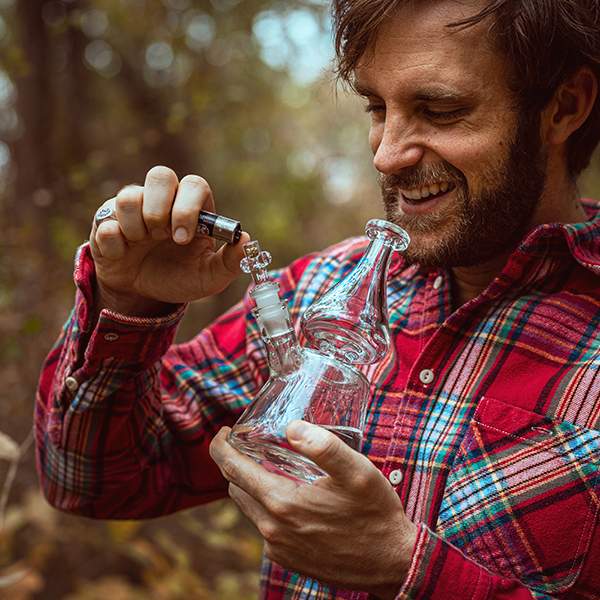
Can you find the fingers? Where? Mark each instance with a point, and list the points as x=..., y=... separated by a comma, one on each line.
x=128, y=204
x=265, y=498
x=229, y=257
x=159, y=192
x=236, y=467
x=245, y=473
x=248, y=505
x=144, y=212
x=276, y=528
x=164, y=207
x=344, y=465
x=171, y=207
x=107, y=236
x=193, y=195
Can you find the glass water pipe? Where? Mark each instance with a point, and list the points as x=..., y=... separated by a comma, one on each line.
x=348, y=326
x=303, y=384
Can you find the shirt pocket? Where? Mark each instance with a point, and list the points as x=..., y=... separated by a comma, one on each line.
x=522, y=498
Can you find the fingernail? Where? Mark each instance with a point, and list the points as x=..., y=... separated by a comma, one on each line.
x=159, y=234
x=296, y=429
x=181, y=234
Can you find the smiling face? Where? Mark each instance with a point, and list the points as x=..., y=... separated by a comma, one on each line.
x=461, y=171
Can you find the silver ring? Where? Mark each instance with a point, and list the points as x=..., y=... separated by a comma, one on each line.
x=103, y=213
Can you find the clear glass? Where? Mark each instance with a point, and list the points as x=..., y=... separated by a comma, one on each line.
x=315, y=388
x=303, y=384
x=350, y=321
x=348, y=326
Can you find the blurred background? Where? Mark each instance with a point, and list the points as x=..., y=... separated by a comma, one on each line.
x=93, y=93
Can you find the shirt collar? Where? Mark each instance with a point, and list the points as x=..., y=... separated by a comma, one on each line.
x=581, y=240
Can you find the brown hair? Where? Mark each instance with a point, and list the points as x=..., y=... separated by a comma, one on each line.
x=545, y=41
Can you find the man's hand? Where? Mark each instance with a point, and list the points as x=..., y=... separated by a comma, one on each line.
x=150, y=254
x=348, y=529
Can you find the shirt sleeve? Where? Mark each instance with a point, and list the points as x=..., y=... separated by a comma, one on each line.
x=124, y=419
x=440, y=571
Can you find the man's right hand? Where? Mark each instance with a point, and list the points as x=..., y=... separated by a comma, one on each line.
x=150, y=256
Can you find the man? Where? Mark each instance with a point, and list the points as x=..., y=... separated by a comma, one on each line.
x=479, y=473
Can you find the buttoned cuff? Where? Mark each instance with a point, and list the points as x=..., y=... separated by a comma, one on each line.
x=136, y=340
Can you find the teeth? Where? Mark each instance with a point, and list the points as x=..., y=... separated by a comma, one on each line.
x=425, y=192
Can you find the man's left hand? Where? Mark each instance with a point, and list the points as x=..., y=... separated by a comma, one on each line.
x=347, y=529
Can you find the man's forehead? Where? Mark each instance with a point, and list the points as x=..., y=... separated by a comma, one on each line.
x=435, y=19
x=425, y=35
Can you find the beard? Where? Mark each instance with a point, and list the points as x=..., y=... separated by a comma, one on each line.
x=479, y=224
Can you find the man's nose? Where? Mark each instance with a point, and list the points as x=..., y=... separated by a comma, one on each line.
x=395, y=147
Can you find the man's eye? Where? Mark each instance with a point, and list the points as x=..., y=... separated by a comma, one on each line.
x=374, y=108
x=444, y=116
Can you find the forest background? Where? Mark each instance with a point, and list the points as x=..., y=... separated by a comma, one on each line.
x=93, y=93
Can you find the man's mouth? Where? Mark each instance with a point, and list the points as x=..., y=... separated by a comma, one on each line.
x=427, y=192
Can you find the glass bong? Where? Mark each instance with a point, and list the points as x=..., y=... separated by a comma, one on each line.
x=348, y=327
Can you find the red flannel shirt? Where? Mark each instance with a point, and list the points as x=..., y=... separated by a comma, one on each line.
x=491, y=412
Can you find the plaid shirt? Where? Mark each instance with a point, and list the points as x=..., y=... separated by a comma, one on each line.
x=491, y=412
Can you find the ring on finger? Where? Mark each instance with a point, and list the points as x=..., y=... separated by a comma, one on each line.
x=103, y=213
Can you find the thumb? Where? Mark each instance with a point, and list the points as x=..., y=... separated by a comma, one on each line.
x=324, y=448
x=232, y=254
x=225, y=263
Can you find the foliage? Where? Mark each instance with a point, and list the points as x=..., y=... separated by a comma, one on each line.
x=92, y=94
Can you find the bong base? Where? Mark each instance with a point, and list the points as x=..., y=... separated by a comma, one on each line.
x=275, y=454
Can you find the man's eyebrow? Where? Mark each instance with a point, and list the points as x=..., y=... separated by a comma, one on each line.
x=435, y=93
x=440, y=94
x=362, y=89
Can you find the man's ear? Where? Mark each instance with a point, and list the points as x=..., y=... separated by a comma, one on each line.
x=571, y=106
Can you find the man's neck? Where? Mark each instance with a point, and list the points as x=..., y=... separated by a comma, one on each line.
x=469, y=282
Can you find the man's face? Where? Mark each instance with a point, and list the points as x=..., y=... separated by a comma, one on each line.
x=461, y=171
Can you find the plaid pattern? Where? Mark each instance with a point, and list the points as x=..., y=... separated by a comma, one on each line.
x=500, y=450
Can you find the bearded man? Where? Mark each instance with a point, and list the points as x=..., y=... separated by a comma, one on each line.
x=479, y=472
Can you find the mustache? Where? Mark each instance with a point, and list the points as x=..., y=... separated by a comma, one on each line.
x=418, y=177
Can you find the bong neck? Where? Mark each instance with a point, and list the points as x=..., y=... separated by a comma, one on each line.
x=283, y=352
x=371, y=275
x=278, y=336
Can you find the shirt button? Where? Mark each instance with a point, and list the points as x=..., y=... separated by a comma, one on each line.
x=111, y=337
x=437, y=284
x=426, y=376
x=395, y=477
x=71, y=383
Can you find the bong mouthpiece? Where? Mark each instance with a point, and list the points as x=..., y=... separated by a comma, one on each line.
x=256, y=262
x=251, y=249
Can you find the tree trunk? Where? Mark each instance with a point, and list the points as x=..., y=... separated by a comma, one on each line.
x=34, y=106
